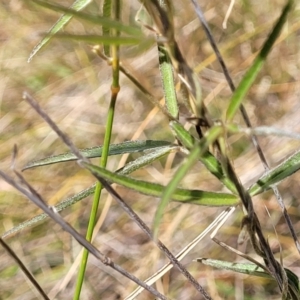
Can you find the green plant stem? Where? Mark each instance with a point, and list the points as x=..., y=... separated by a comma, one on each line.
x=103, y=161
x=96, y=200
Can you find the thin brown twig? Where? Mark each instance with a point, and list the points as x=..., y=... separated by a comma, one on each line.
x=24, y=269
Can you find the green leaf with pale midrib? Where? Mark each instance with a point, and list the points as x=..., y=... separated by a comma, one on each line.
x=154, y=189
x=127, y=169
x=253, y=269
x=244, y=268
x=74, y=11
x=95, y=19
x=114, y=149
x=62, y=21
x=167, y=76
x=276, y=175
x=59, y=207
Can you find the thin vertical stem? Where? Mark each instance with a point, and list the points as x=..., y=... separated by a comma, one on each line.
x=115, y=88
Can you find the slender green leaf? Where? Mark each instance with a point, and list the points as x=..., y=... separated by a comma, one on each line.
x=276, y=175
x=253, y=269
x=167, y=76
x=59, y=207
x=114, y=149
x=104, y=21
x=62, y=21
x=210, y=162
x=184, y=137
x=98, y=39
x=154, y=189
x=247, y=81
x=244, y=268
x=127, y=169
x=294, y=285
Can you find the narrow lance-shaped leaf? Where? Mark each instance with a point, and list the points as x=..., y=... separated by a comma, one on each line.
x=167, y=76
x=276, y=175
x=244, y=268
x=252, y=269
x=127, y=169
x=63, y=21
x=59, y=207
x=104, y=21
x=163, y=20
x=154, y=189
x=198, y=150
x=114, y=149
x=185, y=195
x=247, y=81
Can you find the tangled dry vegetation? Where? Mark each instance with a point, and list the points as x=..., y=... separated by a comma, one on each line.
x=73, y=85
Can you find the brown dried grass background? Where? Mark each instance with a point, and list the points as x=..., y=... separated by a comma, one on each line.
x=73, y=85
